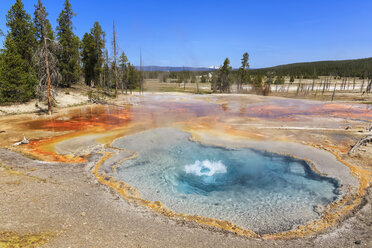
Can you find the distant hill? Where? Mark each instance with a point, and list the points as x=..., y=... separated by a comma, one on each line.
x=172, y=68
x=342, y=68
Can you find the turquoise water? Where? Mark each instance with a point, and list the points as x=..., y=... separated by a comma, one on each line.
x=261, y=191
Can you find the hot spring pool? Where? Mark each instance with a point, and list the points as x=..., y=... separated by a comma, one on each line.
x=260, y=191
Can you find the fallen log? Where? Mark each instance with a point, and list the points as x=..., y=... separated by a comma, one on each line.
x=362, y=141
x=98, y=101
x=24, y=141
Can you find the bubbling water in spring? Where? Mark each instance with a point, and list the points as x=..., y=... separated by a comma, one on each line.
x=260, y=191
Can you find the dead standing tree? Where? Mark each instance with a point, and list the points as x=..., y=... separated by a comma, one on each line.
x=324, y=85
x=46, y=60
x=362, y=86
x=334, y=92
x=369, y=86
x=298, y=86
x=141, y=74
x=115, y=49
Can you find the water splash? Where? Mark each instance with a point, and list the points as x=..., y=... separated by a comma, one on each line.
x=206, y=168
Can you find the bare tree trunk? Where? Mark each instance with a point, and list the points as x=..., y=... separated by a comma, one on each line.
x=141, y=74
x=104, y=79
x=298, y=89
x=362, y=86
x=115, y=54
x=48, y=78
x=334, y=92
x=324, y=85
x=308, y=89
x=312, y=87
x=320, y=85
x=369, y=86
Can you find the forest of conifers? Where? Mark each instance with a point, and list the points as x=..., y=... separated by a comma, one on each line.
x=34, y=55
x=342, y=68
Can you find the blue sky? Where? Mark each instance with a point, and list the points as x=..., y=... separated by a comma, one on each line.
x=204, y=33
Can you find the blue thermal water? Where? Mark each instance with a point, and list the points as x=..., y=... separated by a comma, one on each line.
x=261, y=191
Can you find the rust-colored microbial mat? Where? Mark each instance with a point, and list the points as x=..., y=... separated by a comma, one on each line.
x=72, y=134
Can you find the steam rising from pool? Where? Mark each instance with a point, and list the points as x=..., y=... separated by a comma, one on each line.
x=205, y=168
x=260, y=191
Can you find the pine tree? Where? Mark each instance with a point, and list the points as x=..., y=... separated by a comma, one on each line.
x=279, y=80
x=123, y=60
x=39, y=8
x=243, y=72
x=115, y=64
x=17, y=76
x=68, y=58
x=99, y=45
x=257, y=83
x=133, y=78
x=88, y=58
x=106, y=69
x=92, y=46
x=214, y=80
x=223, y=82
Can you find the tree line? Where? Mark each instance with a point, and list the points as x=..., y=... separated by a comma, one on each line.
x=360, y=68
x=221, y=80
x=261, y=79
x=36, y=58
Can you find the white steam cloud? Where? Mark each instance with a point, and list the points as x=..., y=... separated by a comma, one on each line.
x=205, y=168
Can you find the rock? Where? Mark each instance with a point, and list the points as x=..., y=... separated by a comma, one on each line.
x=83, y=214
